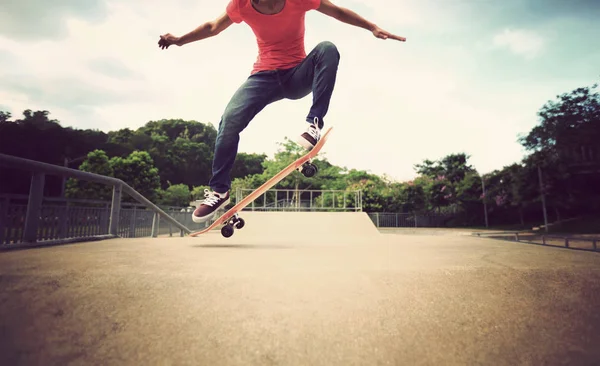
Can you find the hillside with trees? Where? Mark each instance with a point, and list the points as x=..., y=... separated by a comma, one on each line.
x=169, y=162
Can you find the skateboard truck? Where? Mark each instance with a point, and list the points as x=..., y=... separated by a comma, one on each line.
x=235, y=220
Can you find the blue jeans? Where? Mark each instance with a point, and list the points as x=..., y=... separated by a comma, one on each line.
x=316, y=73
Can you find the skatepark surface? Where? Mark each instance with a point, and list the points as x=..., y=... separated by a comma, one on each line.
x=300, y=289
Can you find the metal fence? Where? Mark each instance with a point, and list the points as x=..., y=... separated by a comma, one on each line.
x=56, y=219
x=392, y=220
x=303, y=200
x=38, y=220
x=76, y=219
x=577, y=242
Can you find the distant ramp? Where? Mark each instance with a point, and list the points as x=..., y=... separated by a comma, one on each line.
x=302, y=227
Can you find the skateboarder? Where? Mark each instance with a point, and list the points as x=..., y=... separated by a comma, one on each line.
x=282, y=70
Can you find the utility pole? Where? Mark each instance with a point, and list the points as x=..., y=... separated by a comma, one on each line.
x=484, y=204
x=543, y=198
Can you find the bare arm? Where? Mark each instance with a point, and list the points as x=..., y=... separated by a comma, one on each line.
x=349, y=17
x=206, y=30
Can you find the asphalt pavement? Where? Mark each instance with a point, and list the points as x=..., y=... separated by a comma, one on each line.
x=291, y=299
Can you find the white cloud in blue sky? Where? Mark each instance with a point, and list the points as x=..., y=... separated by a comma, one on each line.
x=470, y=79
x=521, y=42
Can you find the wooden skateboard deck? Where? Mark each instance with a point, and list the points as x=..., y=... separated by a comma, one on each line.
x=230, y=218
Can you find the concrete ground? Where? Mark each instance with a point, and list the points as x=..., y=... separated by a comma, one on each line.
x=286, y=298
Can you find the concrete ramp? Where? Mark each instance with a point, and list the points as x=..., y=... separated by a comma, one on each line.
x=301, y=228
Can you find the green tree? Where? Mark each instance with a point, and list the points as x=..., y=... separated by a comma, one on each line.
x=37, y=137
x=565, y=146
x=138, y=171
x=287, y=153
x=247, y=164
x=453, y=167
x=181, y=150
x=4, y=116
x=469, y=200
x=414, y=196
x=441, y=179
x=175, y=195
x=97, y=162
x=373, y=196
x=570, y=121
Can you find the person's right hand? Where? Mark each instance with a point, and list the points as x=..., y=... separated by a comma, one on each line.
x=382, y=34
x=168, y=39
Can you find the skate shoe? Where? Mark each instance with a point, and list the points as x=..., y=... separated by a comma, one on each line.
x=309, y=139
x=209, y=206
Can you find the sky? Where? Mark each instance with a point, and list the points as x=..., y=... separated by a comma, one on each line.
x=470, y=78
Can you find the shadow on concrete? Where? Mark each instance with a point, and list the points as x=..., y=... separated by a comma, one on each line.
x=242, y=246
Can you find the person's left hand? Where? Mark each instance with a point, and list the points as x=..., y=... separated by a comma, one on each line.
x=380, y=33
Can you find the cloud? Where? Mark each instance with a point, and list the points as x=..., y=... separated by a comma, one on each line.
x=112, y=67
x=8, y=60
x=520, y=42
x=414, y=19
x=65, y=92
x=39, y=19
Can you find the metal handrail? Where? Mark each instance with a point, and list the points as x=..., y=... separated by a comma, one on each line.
x=39, y=170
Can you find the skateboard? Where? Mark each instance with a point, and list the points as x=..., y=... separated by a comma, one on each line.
x=231, y=218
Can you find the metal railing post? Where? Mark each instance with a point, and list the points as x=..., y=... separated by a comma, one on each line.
x=133, y=222
x=36, y=195
x=360, y=199
x=115, y=210
x=105, y=219
x=62, y=225
x=155, y=224
x=333, y=198
x=4, y=226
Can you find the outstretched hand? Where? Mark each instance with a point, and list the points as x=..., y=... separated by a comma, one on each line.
x=167, y=40
x=380, y=33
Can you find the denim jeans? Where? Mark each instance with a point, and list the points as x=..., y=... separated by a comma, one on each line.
x=316, y=73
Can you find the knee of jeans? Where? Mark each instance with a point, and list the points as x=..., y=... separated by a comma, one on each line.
x=231, y=124
x=329, y=49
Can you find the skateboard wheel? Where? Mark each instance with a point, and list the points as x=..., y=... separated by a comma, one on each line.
x=239, y=223
x=309, y=170
x=227, y=230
